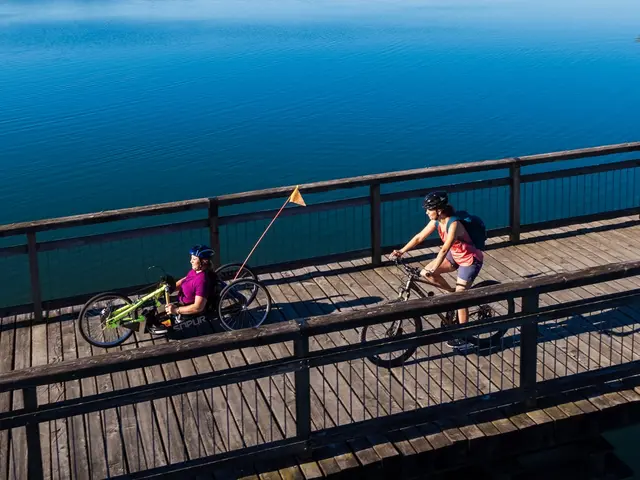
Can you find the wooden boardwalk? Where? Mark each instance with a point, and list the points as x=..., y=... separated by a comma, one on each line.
x=151, y=434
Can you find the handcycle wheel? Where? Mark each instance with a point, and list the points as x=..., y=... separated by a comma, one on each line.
x=482, y=312
x=91, y=321
x=227, y=272
x=390, y=330
x=243, y=303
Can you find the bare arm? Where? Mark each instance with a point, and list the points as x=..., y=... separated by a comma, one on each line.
x=416, y=240
x=196, y=307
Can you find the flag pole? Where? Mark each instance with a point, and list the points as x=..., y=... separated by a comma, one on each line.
x=262, y=236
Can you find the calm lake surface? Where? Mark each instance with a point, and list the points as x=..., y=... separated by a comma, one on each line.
x=121, y=103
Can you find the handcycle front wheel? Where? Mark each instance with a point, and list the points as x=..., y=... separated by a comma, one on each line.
x=389, y=330
x=243, y=303
x=92, y=318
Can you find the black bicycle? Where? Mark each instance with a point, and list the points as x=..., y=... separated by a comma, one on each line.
x=400, y=327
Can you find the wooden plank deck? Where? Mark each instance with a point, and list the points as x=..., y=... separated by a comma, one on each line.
x=152, y=434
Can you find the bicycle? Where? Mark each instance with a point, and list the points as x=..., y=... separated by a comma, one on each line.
x=116, y=316
x=397, y=328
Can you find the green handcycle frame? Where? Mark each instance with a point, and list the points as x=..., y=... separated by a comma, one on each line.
x=122, y=316
x=114, y=319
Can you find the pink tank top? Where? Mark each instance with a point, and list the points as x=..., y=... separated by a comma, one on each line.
x=463, y=251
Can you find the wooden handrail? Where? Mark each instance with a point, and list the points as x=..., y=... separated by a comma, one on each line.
x=102, y=217
x=429, y=172
x=296, y=329
x=317, y=187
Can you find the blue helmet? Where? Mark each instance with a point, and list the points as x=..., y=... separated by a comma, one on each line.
x=202, y=252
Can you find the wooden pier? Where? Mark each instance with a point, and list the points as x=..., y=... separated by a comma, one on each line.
x=298, y=398
x=345, y=392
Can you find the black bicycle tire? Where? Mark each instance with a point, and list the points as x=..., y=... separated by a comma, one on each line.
x=251, y=276
x=228, y=287
x=492, y=340
x=93, y=299
x=239, y=265
x=488, y=342
x=396, y=362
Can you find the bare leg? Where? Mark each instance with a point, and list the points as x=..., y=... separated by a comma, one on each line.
x=437, y=279
x=463, y=313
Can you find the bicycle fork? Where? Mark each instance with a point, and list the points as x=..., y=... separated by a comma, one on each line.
x=405, y=291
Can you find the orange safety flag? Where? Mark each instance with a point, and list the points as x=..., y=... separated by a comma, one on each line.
x=296, y=198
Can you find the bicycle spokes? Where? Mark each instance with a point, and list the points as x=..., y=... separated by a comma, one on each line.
x=98, y=322
x=484, y=312
x=244, y=303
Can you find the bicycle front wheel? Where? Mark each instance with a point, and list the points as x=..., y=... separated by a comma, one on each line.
x=244, y=303
x=92, y=321
x=390, y=330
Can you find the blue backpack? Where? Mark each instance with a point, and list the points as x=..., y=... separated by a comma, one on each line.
x=474, y=226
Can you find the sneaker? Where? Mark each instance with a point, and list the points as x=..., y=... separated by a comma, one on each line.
x=459, y=344
x=158, y=329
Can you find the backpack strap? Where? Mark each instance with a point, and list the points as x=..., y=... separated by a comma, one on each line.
x=451, y=220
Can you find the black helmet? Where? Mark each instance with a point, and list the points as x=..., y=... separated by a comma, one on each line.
x=202, y=252
x=435, y=200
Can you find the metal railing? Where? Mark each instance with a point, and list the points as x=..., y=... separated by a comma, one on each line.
x=288, y=387
x=63, y=271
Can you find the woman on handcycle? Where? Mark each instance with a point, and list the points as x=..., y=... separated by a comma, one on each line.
x=457, y=253
x=194, y=290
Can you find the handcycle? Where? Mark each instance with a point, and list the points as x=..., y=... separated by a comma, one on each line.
x=110, y=318
x=400, y=327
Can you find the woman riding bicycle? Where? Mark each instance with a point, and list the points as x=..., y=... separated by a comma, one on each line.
x=457, y=253
x=193, y=290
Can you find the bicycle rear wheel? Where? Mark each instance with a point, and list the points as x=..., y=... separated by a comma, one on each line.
x=244, y=303
x=391, y=330
x=93, y=317
x=484, y=312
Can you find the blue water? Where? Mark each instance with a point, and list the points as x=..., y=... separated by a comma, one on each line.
x=121, y=103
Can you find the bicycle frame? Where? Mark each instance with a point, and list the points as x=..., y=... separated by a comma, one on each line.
x=414, y=277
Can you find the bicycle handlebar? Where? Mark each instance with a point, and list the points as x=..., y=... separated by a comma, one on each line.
x=410, y=270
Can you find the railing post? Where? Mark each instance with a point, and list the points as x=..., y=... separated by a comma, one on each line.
x=34, y=460
x=214, y=231
x=514, y=203
x=34, y=272
x=303, y=387
x=529, y=350
x=376, y=223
